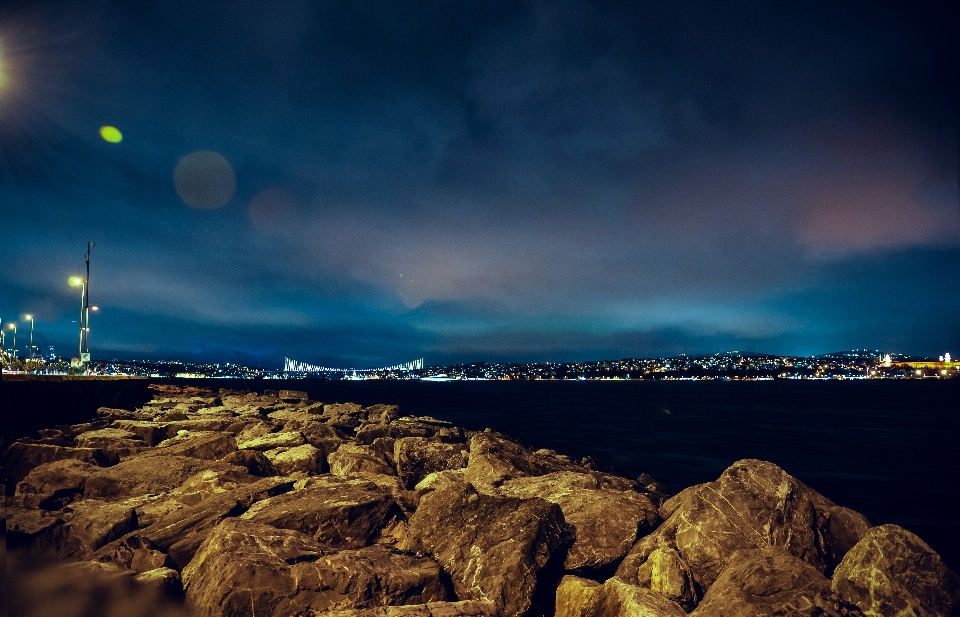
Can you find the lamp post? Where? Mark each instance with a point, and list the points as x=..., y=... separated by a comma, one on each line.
x=13, y=327
x=30, y=350
x=86, y=346
x=76, y=281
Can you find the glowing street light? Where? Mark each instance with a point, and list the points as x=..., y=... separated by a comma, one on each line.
x=76, y=281
x=30, y=350
x=13, y=327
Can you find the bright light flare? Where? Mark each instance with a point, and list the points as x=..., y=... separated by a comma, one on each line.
x=111, y=134
x=76, y=281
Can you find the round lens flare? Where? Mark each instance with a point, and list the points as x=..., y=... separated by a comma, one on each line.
x=111, y=134
x=204, y=180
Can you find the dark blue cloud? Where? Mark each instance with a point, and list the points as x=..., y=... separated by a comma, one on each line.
x=489, y=180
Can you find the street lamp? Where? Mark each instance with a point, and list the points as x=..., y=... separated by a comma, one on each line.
x=13, y=327
x=76, y=281
x=30, y=350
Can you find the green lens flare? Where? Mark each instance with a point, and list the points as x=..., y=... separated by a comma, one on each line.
x=111, y=134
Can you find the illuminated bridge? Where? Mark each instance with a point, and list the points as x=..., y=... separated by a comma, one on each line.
x=293, y=366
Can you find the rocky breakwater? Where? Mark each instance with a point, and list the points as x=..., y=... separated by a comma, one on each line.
x=238, y=503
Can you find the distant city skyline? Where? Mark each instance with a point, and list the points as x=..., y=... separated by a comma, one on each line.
x=360, y=184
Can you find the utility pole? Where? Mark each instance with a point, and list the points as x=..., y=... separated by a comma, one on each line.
x=86, y=308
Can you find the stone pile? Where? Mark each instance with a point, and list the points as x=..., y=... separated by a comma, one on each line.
x=244, y=504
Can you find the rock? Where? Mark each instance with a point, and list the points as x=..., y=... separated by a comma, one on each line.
x=463, y=608
x=667, y=574
x=754, y=504
x=133, y=552
x=247, y=568
x=351, y=459
x=116, y=414
x=769, y=581
x=151, y=433
x=338, y=513
x=209, y=483
x=37, y=532
x=606, y=522
x=288, y=439
x=417, y=457
x=494, y=459
x=292, y=396
x=91, y=524
x=20, y=458
x=254, y=430
x=441, y=479
x=890, y=571
x=181, y=533
x=344, y=416
x=197, y=425
x=253, y=461
x=50, y=486
x=300, y=459
x=580, y=597
x=151, y=474
x=841, y=528
x=164, y=581
x=105, y=438
x=382, y=414
x=494, y=549
x=394, y=430
x=209, y=446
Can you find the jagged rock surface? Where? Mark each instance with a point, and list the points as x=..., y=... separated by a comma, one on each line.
x=893, y=572
x=754, y=504
x=241, y=503
x=771, y=581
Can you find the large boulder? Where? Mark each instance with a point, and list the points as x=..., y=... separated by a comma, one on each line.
x=352, y=459
x=495, y=459
x=20, y=458
x=33, y=531
x=418, y=457
x=247, y=568
x=269, y=441
x=50, y=486
x=395, y=430
x=209, y=483
x=91, y=524
x=754, y=504
x=151, y=433
x=580, y=597
x=336, y=512
x=143, y=475
x=208, y=445
x=606, y=522
x=255, y=462
x=893, y=572
x=300, y=459
x=133, y=552
x=494, y=549
x=102, y=437
x=462, y=608
x=180, y=533
x=771, y=581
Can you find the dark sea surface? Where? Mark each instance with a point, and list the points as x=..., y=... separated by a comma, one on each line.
x=887, y=449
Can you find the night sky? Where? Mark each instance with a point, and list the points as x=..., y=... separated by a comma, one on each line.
x=365, y=183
